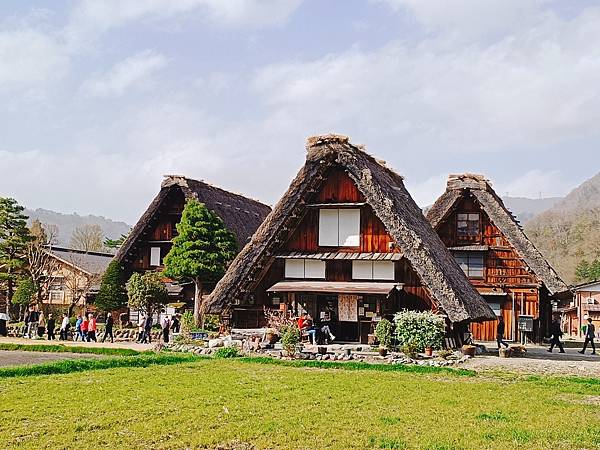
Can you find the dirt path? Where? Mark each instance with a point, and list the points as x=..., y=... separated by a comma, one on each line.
x=17, y=358
x=539, y=361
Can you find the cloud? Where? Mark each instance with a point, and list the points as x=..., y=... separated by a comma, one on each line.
x=30, y=58
x=90, y=18
x=537, y=184
x=127, y=74
x=471, y=18
x=532, y=89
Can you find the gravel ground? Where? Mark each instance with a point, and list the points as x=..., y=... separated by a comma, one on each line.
x=17, y=358
x=539, y=361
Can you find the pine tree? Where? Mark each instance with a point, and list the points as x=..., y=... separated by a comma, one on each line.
x=14, y=236
x=112, y=294
x=201, y=251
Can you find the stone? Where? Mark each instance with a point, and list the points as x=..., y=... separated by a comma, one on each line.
x=214, y=343
x=233, y=343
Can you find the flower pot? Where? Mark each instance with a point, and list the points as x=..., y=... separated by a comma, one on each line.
x=428, y=351
x=271, y=338
x=322, y=350
x=383, y=351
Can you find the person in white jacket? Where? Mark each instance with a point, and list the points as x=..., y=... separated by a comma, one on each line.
x=64, y=327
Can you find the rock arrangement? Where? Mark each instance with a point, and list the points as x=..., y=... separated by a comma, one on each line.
x=335, y=353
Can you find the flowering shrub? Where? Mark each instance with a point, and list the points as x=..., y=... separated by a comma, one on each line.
x=277, y=320
x=419, y=329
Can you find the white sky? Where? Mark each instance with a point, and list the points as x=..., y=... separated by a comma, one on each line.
x=100, y=98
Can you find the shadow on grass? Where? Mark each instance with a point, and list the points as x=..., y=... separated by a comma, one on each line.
x=61, y=348
x=81, y=365
x=354, y=365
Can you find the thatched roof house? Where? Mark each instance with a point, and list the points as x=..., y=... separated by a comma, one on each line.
x=479, y=187
x=384, y=193
x=241, y=216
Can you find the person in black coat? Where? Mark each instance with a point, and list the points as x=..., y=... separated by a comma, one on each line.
x=51, y=325
x=500, y=333
x=108, y=328
x=556, y=335
x=590, y=334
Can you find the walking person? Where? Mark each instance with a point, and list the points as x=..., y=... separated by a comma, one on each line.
x=92, y=328
x=51, y=326
x=141, y=332
x=148, y=330
x=41, y=328
x=84, y=327
x=166, y=328
x=175, y=324
x=556, y=335
x=64, y=327
x=590, y=334
x=33, y=323
x=108, y=328
x=26, y=320
x=78, y=333
x=500, y=333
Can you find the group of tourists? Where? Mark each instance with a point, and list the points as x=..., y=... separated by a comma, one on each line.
x=556, y=333
x=168, y=324
x=316, y=332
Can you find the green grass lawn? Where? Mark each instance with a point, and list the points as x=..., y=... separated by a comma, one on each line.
x=210, y=402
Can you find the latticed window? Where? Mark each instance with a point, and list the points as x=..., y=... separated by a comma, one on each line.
x=467, y=225
x=471, y=263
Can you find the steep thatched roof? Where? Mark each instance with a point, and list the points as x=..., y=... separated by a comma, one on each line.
x=385, y=192
x=241, y=215
x=493, y=206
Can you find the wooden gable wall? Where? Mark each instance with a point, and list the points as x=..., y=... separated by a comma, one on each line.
x=160, y=231
x=503, y=265
x=339, y=188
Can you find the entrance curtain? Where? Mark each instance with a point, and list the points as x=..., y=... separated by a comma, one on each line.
x=347, y=308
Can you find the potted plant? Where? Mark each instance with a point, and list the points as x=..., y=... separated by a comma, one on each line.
x=271, y=335
x=383, y=331
x=422, y=329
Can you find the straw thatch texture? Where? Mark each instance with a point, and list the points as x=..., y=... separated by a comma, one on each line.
x=241, y=215
x=385, y=192
x=493, y=206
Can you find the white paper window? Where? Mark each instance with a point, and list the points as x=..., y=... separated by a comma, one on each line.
x=383, y=270
x=349, y=228
x=304, y=268
x=373, y=270
x=294, y=268
x=339, y=227
x=155, y=256
x=314, y=268
x=362, y=270
x=328, y=227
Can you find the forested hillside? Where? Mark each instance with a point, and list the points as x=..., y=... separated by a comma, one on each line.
x=569, y=233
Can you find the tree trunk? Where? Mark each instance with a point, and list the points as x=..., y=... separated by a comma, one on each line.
x=71, y=307
x=9, y=292
x=197, y=302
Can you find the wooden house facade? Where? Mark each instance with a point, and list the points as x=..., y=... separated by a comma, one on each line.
x=498, y=258
x=348, y=245
x=584, y=304
x=150, y=239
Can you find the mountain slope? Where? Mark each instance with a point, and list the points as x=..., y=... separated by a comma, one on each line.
x=570, y=230
x=66, y=223
x=527, y=208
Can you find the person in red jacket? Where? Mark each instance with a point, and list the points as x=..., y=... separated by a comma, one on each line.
x=84, y=328
x=92, y=328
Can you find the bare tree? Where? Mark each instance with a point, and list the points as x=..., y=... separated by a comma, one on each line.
x=78, y=282
x=88, y=238
x=41, y=265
